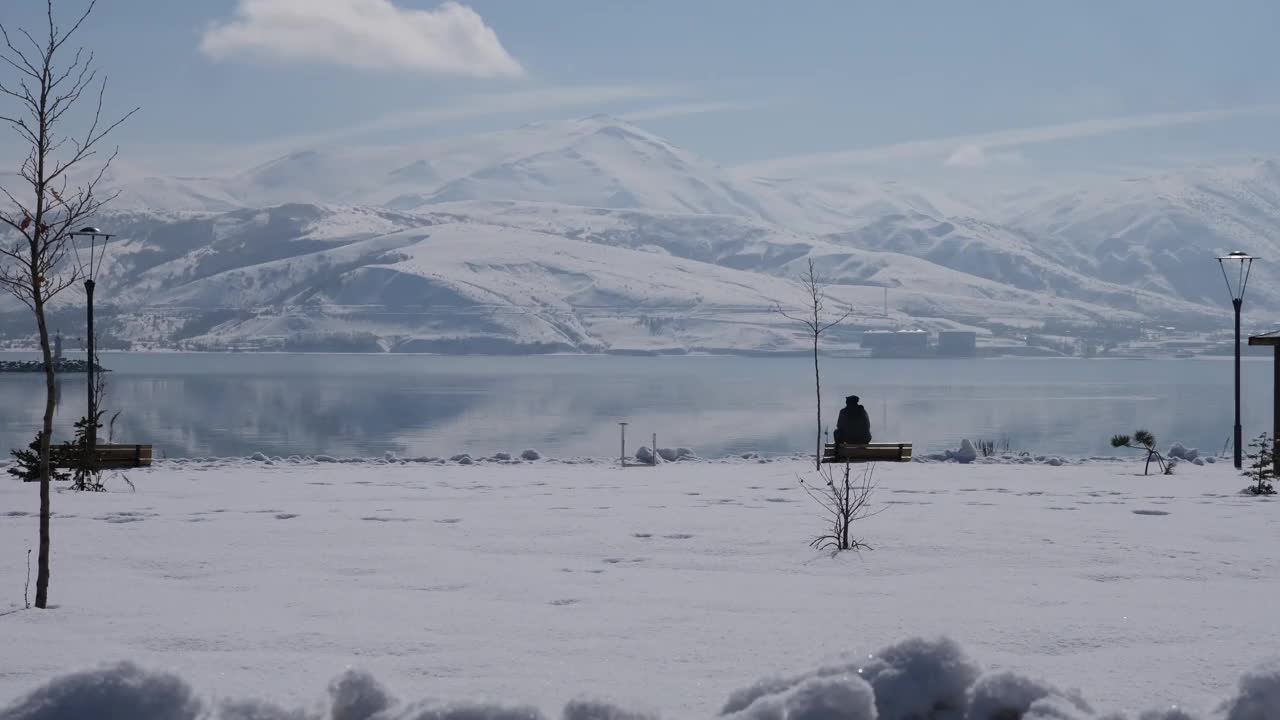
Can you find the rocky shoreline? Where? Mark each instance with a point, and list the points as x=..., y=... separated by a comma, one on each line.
x=35, y=366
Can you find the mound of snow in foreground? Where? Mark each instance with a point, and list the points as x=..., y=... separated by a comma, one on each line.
x=914, y=680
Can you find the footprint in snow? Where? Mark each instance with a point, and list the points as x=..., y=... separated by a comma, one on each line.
x=679, y=536
x=449, y=521
x=777, y=500
x=17, y=513
x=642, y=536
x=125, y=517
x=564, y=602
x=1150, y=512
x=286, y=516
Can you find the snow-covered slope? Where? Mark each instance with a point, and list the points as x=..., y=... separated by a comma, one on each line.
x=1162, y=233
x=514, y=277
x=291, y=247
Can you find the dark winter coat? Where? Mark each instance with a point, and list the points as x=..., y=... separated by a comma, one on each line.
x=854, y=426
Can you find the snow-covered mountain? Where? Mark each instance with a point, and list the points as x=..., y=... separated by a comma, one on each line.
x=1161, y=233
x=596, y=235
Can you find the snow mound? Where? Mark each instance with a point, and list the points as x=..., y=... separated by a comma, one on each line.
x=596, y=710
x=677, y=454
x=1258, y=695
x=530, y=455
x=1180, y=452
x=966, y=454
x=121, y=691
x=1010, y=695
x=920, y=678
x=912, y=680
x=839, y=697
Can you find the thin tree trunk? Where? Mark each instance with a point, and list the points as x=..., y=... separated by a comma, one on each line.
x=847, y=509
x=817, y=387
x=46, y=471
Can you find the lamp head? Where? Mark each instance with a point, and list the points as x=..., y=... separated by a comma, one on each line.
x=1241, y=282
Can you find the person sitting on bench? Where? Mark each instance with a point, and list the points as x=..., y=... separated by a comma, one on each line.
x=854, y=425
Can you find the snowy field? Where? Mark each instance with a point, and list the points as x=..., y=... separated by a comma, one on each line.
x=664, y=590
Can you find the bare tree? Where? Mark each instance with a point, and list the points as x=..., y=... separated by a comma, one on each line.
x=816, y=320
x=846, y=502
x=53, y=193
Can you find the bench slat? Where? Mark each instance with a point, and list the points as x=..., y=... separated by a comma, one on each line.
x=112, y=457
x=871, y=452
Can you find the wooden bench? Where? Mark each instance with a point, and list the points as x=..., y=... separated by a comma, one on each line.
x=110, y=457
x=872, y=452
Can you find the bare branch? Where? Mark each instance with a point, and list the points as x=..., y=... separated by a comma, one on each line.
x=61, y=38
x=17, y=58
x=778, y=309
x=837, y=321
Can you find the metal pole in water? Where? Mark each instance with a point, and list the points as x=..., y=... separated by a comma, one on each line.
x=622, y=459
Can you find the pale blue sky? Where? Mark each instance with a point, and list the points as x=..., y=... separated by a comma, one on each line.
x=738, y=81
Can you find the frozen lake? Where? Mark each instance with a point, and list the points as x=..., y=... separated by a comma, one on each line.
x=192, y=405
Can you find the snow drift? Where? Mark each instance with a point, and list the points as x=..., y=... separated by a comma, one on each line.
x=919, y=679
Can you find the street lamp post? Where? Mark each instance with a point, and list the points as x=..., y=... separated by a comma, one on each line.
x=90, y=267
x=1241, y=272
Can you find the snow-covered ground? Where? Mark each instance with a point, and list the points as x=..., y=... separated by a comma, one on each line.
x=662, y=589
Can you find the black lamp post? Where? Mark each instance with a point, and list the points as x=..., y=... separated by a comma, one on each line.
x=89, y=267
x=1237, y=288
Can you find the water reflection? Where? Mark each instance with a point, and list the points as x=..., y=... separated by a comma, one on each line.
x=206, y=405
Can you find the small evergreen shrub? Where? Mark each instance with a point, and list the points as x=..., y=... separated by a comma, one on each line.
x=1146, y=442
x=1261, y=468
x=27, y=463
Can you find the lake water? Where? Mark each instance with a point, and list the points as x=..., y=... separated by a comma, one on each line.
x=193, y=405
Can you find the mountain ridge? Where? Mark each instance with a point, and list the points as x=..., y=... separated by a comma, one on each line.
x=296, y=241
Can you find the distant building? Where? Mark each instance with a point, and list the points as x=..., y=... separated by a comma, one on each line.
x=900, y=343
x=57, y=348
x=958, y=343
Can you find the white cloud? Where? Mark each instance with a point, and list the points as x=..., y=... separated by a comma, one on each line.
x=374, y=34
x=975, y=147
x=214, y=159
x=485, y=104
x=971, y=155
x=967, y=155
